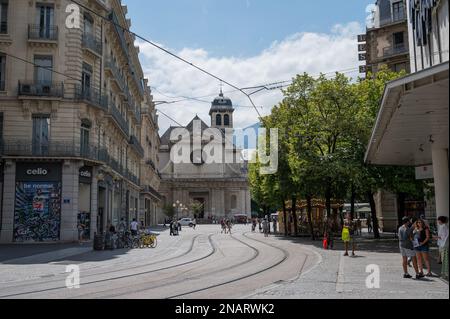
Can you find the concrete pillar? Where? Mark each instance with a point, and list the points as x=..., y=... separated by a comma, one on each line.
x=440, y=170
x=70, y=192
x=94, y=203
x=9, y=193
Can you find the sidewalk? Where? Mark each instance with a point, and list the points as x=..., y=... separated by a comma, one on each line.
x=339, y=277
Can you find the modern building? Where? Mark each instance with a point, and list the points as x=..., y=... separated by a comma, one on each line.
x=219, y=187
x=386, y=40
x=412, y=124
x=78, y=125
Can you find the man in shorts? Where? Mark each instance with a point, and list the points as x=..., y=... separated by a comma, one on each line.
x=407, y=247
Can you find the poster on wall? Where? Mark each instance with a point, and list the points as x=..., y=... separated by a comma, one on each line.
x=37, y=216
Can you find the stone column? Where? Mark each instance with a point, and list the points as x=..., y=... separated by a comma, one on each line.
x=9, y=193
x=94, y=203
x=440, y=170
x=70, y=191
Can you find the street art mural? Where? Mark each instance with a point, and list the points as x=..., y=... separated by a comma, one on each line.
x=37, y=216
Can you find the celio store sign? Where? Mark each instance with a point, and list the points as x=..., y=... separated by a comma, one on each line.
x=45, y=172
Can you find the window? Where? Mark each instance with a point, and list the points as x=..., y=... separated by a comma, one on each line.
x=233, y=202
x=85, y=132
x=398, y=42
x=42, y=70
x=41, y=134
x=3, y=16
x=226, y=120
x=45, y=20
x=88, y=25
x=86, y=77
x=2, y=72
x=218, y=119
x=398, y=11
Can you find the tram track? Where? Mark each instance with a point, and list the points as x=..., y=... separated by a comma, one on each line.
x=165, y=283
x=285, y=257
x=124, y=276
x=112, y=271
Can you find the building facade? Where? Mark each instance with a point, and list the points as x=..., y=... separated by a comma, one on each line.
x=219, y=188
x=74, y=110
x=387, y=37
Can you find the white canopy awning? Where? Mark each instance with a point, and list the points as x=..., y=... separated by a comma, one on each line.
x=413, y=118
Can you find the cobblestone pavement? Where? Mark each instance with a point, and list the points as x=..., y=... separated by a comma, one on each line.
x=339, y=277
x=205, y=264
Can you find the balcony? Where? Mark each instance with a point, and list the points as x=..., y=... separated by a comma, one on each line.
x=134, y=142
x=119, y=119
x=41, y=89
x=91, y=96
x=395, y=50
x=92, y=44
x=52, y=149
x=116, y=76
x=130, y=176
x=120, y=33
x=115, y=165
x=42, y=34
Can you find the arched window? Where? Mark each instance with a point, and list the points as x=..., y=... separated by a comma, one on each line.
x=226, y=120
x=218, y=119
x=233, y=202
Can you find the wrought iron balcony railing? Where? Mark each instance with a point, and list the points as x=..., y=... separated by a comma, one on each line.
x=41, y=89
x=134, y=142
x=44, y=33
x=92, y=43
x=118, y=117
x=63, y=149
x=117, y=76
x=91, y=96
x=396, y=49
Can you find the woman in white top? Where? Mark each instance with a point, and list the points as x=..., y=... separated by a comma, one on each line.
x=442, y=236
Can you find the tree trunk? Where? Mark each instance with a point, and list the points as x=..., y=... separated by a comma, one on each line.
x=309, y=209
x=373, y=207
x=285, y=217
x=400, y=207
x=294, y=215
x=328, y=202
x=353, y=199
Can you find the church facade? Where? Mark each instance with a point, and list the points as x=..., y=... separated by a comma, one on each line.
x=201, y=186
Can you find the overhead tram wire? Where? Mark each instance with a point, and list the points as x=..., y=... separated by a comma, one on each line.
x=171, y=54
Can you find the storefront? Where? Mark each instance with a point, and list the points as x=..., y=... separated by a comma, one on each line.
x=84, y=200
x=37, y=209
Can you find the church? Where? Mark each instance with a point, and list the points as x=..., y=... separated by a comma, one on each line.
x=202, y=188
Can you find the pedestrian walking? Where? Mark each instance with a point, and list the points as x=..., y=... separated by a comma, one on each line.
x=260, y=225
x=81, y=230
x=223, y=226
x=405, y=237
x=348, y=234
x=266, y=227
x=229, y=226
x=194, y=223
x=369, y=224
x=442, y=236
x=134, y=227
x=421, y=244
x=171, y=227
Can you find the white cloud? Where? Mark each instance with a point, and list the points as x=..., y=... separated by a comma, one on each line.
x=298, y=53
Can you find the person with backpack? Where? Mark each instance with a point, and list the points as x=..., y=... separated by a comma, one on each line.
x=405, y=234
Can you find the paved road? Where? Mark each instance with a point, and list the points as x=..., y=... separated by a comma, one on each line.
x=200, y=263
x=203, y=263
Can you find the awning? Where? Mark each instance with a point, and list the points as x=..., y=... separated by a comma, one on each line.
x=413, y=118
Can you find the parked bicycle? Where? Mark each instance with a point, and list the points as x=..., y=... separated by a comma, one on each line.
x=147, y=240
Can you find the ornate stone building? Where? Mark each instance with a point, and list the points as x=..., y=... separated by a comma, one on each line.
x=222, y=188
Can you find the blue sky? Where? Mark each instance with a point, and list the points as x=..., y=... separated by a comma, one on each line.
x=237, y=27
x=245, y=42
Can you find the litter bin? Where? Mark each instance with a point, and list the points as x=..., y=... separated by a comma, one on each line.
x=99, y=242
